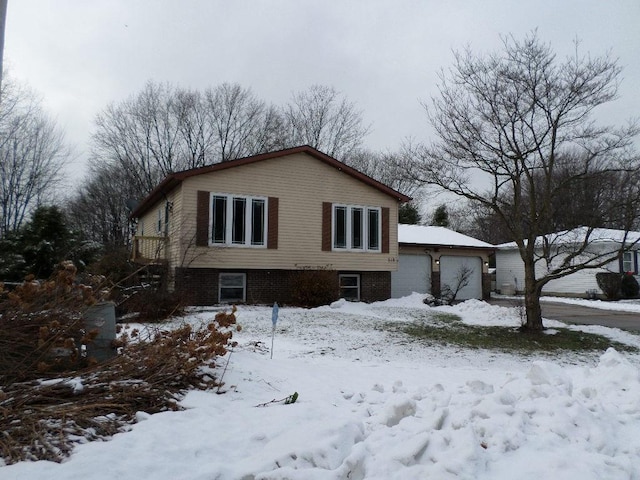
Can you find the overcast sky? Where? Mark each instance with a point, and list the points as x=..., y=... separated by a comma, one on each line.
x=81, y=55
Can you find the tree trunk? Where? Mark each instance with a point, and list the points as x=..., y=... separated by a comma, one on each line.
x=532, y=293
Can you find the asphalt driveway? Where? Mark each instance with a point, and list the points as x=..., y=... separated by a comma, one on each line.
x=581, y=315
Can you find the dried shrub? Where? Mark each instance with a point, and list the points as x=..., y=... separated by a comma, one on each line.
x=43, y=420
x=609, y=283
x=312, y=288
x=42, y=324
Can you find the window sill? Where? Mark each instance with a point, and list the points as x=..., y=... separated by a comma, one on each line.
x=355, y=250
x=236, y=245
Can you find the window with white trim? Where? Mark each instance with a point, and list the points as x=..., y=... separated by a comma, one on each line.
x=162, y=225
x=350, y=286
x=232, y=287
x=628, y=263
x=238, y=220
x=356, y=228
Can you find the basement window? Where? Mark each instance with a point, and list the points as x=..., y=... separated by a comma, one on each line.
x=232, y=287
x=350, y=286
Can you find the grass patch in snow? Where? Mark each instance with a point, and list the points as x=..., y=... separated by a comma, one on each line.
x=448, y=329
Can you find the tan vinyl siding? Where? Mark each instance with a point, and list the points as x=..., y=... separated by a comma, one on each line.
x=176, y=232
x=150, y=245
x=171, y=249
x=301, y=184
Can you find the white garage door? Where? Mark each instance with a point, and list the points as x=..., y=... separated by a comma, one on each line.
x=451, y=269
x=413, y=275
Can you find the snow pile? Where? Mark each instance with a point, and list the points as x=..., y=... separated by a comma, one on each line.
x=377, y=406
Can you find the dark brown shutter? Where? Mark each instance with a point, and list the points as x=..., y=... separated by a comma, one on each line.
x=202, y=219
x=326, y=226
x=385, y=230
x=272, y=219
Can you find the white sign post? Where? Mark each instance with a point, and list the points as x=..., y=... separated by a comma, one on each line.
x=274, y=320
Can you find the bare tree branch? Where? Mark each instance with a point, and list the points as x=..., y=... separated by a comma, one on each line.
x=514, y=129
x=32, y=154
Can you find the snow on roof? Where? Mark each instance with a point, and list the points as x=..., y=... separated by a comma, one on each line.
x=430, y=235
x=577, y=235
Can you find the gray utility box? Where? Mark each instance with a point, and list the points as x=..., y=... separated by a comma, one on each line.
x=101, y=316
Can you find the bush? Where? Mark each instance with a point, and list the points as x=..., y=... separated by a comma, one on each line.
x=114, y=265
x=153, y=304
x=609, y=283
x=42, y=325
x=629, y=286
x=312, y=288
x=44, y=420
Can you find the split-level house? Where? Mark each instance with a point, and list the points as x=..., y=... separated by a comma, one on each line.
x=238, y=231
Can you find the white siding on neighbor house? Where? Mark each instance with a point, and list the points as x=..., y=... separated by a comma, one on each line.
x=576, y=284
x=450, y=269
x=413, y=275
x=510, y=270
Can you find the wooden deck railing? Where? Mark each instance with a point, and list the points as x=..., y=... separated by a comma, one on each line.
x=149, y=249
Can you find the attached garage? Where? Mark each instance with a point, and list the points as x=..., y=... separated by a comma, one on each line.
x=413, y=275
x=452, y=270
x=430, y=258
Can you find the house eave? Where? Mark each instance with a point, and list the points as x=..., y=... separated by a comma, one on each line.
x=173, y=180
x=434, y=246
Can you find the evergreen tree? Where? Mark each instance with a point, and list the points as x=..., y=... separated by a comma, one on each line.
x=440, y=217
x=46, y=240
x=408, y=214
x=43, y=242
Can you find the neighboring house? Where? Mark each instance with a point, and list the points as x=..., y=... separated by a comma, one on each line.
x=432, y=257
x=238, y=231
x=602, y=243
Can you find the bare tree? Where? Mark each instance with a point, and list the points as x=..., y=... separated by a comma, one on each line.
x=477, y=221
x=141, y=135
x=502, y=123
x=99, y=211
x=241, y=124
x=386, y=167
x=32, y=154
x=604, y=199
x=324, y=119
x=450, y=291
x=3, y=19
x=164, y=129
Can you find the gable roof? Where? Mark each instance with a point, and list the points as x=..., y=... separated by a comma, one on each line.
x=577, y=235
x=174, y=179
x=437, y=237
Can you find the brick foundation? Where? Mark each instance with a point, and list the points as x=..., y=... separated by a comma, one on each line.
x=435, y=284
x=200, y=285
x=375, y=286
x=486, y=286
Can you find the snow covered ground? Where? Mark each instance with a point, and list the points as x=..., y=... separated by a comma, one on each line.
x=375, y=404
